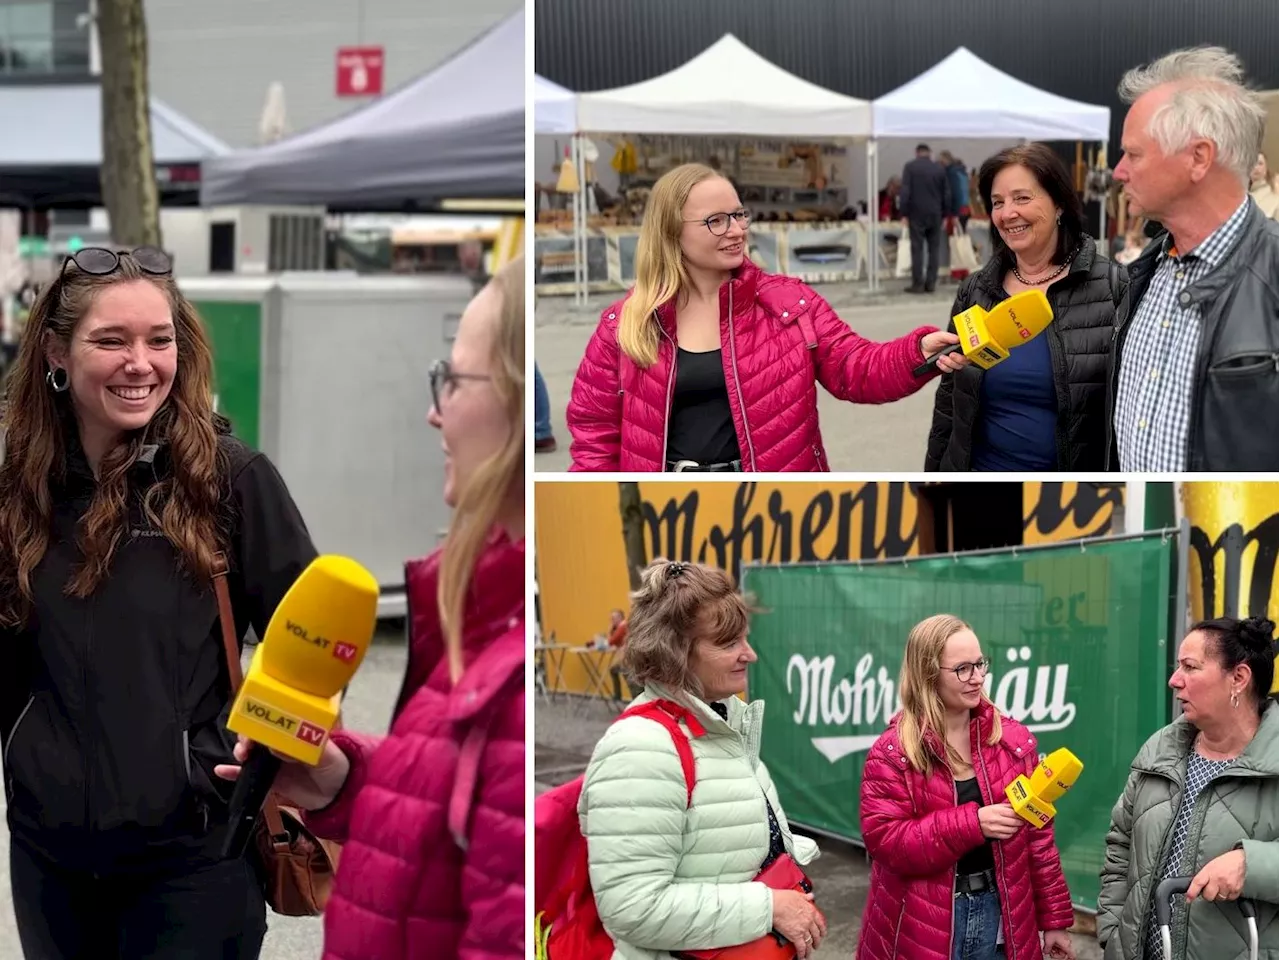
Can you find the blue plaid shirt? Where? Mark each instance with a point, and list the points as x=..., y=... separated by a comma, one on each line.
x=1158, y=361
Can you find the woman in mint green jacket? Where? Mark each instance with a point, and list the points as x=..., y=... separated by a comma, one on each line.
x=669, y=874
x=1201, y=802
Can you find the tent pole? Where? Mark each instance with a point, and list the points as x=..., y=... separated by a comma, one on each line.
x=1102, y=206
x=873, y=210
x=582, y=205
x=579, y=227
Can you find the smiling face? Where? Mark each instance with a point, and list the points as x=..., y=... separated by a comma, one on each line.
x=121, y=361
x=700, y=247
x=721, y=667
x=1022, y=211
x=957, y=694
x=473, y=421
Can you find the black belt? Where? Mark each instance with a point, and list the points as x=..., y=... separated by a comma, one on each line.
x=976, y=882
x=692, y=466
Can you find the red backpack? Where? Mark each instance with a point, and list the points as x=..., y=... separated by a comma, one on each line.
x=566, y=924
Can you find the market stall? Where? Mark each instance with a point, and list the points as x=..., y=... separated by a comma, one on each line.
x=456, y=132
x=964, y=96
x=782, y=140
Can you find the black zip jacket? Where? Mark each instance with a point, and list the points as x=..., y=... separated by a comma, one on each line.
x=1084, y=316
x=115, y=715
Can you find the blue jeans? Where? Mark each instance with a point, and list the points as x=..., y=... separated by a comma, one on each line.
x=541, y=406
x=977, y=924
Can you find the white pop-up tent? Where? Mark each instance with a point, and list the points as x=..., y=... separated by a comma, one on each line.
x=729, y=90
x=726, y=89
x=964, y=96
x=554, y=107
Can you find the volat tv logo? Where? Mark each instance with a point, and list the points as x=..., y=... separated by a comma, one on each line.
x=870, y=698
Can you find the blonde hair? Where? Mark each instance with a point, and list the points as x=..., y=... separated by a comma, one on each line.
x=660, y=271
x=496, y=477
x=677, y=605
x=922, y=709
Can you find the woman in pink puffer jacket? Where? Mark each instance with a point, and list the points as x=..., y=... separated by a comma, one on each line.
x=710, y=364
x=956, y=874
x=432, y=815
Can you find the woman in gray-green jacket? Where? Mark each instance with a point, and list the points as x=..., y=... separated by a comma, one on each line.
x=1201, y=802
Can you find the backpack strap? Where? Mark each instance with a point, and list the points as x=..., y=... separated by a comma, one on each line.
x=670, y=714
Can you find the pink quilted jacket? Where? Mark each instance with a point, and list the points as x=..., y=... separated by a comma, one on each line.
x=778, y=339
x=916, y=834
x=433, y=815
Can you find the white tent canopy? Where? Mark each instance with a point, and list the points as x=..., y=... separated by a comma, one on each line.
x=727, y=89
x=554, y=108
x=964, y=96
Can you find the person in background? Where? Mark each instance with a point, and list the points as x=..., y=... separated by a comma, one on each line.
x=1193, y=380
x=432, y=815
x=925, y=199
x=955, y=873
x=1043, y=408
x=958, y=178
x=1262, y=188
x=119, y=488
x=544, y=439
x=1133, y=242
x=890, y=193
x=710, y=364
x=617, y=639
x=1200, y=802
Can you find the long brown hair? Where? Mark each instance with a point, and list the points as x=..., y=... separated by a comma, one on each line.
x=922, y=709
x=494, y=479
x=34, y=426
x=660, y=271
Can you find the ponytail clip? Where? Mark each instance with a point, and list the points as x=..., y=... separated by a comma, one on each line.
x=676, y=569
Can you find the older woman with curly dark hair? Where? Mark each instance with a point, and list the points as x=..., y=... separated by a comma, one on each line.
x=121, y=494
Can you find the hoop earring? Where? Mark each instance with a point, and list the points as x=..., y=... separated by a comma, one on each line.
x=56, y=385
x=1059, y=221
x=1235, y=699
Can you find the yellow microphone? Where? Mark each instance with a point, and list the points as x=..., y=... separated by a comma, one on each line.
x=292, y=693
x=1033, y=798
x=987, y=337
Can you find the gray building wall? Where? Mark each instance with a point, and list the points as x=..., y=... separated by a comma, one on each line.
x=865, y=48
x=214, y=61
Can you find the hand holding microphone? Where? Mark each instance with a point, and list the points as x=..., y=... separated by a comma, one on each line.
x=941, y=349
x=291, y=697
x=1032, y=798
x=986, y=338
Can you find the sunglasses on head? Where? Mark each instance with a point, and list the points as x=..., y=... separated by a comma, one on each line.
x=101, y=262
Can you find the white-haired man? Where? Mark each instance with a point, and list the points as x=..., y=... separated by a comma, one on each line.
x=1193, y=381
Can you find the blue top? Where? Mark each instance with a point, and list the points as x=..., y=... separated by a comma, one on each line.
x=1018, y=412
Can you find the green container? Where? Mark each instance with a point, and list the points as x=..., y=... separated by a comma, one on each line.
x=1078, y=640
x=235, y=330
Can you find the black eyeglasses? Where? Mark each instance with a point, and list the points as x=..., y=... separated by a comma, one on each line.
x=101, y=262
x=444, y=380
x=718, y=223
x=964, y=671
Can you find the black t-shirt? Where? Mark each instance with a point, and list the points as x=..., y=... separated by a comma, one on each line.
x=979, y=858
x=701, y=427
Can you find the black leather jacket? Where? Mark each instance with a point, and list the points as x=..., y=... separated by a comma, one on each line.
x=1235, y=407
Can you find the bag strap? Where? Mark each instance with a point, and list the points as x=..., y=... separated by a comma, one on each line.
x=270, y=809
x=669, y=715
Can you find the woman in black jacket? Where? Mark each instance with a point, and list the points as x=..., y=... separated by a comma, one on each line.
x=119, y=488
x=1044, y=408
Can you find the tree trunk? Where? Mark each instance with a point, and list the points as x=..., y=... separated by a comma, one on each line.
x=632, y=530
x=128, y=174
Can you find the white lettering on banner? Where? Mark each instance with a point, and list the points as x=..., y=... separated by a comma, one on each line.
x=871, y=698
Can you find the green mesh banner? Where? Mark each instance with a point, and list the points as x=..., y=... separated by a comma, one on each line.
x=1078, y=640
